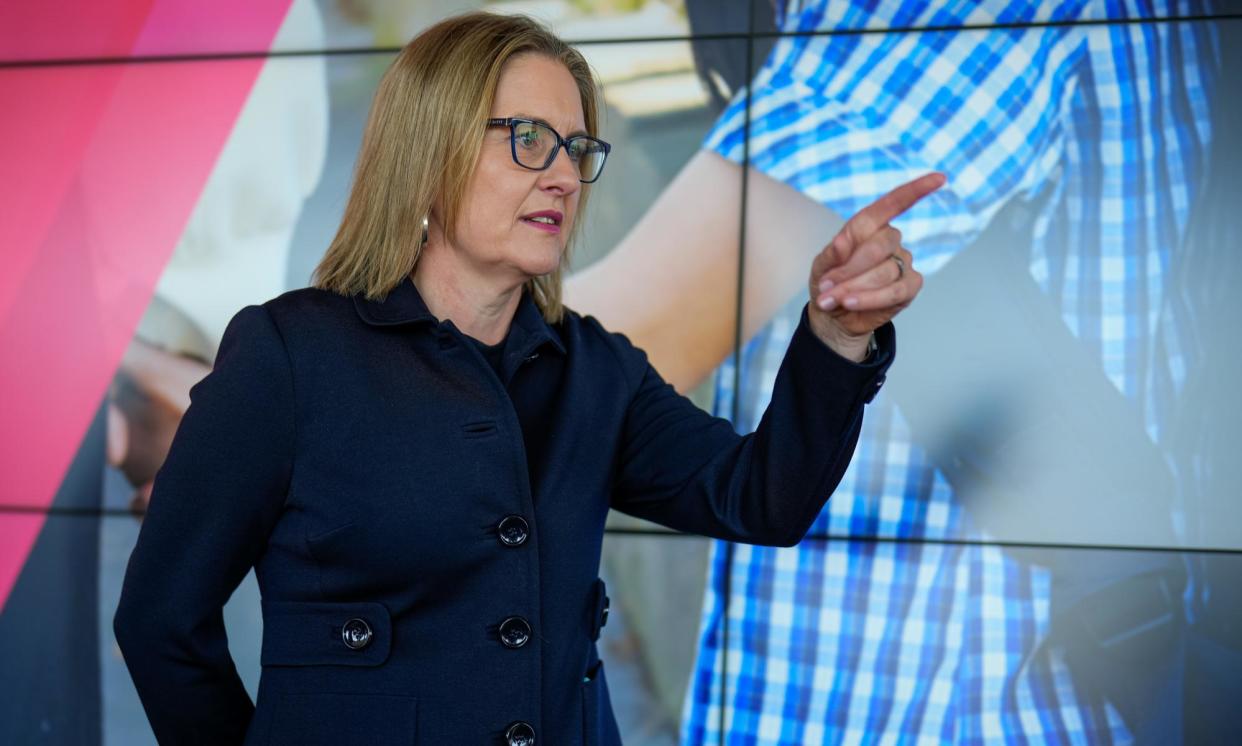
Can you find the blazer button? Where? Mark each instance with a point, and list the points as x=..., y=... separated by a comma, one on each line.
x=356, y=633
x=513, y=530
x=514, y=632
x=520, y=734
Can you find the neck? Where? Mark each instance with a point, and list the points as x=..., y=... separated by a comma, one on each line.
x=479, y=305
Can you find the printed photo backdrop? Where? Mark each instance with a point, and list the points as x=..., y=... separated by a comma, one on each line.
x=1037, y=536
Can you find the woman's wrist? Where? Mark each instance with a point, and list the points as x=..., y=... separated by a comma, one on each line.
x=853, y=347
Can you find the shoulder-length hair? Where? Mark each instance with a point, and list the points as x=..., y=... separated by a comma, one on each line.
x=422, y=140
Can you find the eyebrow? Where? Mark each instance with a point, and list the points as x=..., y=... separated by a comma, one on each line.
x=545, y=123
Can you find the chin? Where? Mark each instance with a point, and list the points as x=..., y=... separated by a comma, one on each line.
x=534, y=273
x=543, y=264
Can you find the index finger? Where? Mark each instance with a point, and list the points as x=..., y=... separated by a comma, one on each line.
x=878, y=214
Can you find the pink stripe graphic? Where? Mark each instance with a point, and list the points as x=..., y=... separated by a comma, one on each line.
x=104, y=166
x=55, y=29
x=89, y=29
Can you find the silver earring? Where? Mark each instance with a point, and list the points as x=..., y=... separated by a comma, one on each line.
x=424, y=241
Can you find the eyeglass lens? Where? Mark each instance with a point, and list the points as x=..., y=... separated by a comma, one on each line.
x=533, y=144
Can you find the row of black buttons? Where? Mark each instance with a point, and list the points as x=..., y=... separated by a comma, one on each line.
x=513, y=530
x=514, y=633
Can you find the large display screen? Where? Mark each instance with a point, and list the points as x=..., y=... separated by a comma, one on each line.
x=1039, y=536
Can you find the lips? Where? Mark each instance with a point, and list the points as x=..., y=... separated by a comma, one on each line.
x=545, y=216
x=545, y=220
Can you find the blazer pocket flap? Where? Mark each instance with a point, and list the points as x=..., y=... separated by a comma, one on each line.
x=316, y=634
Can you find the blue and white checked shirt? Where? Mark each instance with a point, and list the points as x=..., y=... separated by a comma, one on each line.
x=891, y=642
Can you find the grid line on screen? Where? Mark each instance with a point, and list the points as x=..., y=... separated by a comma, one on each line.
x=104, y=512
x=726, y=36
x=662, y=532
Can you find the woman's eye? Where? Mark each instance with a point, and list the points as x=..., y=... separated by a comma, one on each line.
x=528, y=138
x=583, y=149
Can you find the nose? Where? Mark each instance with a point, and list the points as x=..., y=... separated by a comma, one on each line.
x=562, y=175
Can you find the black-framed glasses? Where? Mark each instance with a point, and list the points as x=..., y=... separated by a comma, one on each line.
x=534, y=145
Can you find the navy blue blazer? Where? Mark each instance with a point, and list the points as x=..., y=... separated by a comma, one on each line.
x=367, y=461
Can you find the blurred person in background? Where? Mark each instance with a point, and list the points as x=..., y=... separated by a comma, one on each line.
x=1047, y=135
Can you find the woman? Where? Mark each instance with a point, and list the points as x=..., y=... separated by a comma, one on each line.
x=417, y=455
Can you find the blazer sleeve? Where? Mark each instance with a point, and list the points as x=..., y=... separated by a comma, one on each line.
x=682, y=468
x=212, y=507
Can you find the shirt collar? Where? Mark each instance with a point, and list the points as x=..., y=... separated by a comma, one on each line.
x=404, y=305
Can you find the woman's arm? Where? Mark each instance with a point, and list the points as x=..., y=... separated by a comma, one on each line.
x=684, y=469
x=213, y=505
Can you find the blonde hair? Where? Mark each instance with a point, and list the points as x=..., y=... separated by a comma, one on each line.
x=422, y=140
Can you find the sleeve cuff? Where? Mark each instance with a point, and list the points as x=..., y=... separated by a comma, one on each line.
x=869, y=374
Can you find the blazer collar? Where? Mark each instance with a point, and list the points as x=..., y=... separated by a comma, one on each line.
x=404, y=305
